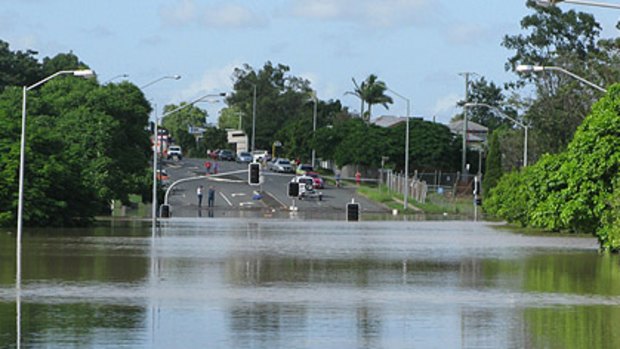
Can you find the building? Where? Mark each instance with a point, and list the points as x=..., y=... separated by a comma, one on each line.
x=476, y=133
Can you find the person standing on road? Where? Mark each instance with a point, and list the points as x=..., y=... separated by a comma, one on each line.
x=199, y=195
x=211, y=196
x=337, y=179
x=208, y=166
x=358, y=177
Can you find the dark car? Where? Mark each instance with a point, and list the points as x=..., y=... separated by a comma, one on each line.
x=227, y=155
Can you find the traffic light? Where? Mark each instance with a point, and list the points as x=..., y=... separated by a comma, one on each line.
x=353, y=212
x=293, y=189
x=254, y=173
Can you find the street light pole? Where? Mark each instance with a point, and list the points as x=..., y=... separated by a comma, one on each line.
x=314, y=125
x=253, y=118
x=155, y=153
x=406, y=198
x=526, y=68
x=547, y=3
x=464, y=150
x=504, y=115
x=84, y=73
x=183, y=106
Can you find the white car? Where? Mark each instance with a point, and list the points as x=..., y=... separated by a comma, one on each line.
x=281, y=165
x=306, y=188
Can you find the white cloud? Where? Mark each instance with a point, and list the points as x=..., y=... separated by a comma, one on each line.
x=368, y=13
x=181, y=13
x=223, y=15
x=212, y=81
x=467, y=34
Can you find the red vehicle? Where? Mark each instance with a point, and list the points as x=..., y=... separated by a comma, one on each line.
x=319, y=183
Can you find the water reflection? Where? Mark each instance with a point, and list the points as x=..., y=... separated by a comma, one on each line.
x=279, y=283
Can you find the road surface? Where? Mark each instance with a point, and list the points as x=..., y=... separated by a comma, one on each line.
x=235, y=197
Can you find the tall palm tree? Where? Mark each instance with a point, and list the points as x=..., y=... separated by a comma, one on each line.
x=359, y=92
x=375, y=94
x=371, y=91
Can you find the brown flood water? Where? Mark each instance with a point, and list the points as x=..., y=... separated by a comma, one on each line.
x=281, y=283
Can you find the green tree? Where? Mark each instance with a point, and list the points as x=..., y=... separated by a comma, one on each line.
x=86, y=145
x=62, y=61
x=572, y=190
x=359, y=91
x=280, y=98
x=493, y=171
x=18, y=68
x=482, y=91
x=213, y=138
x=230, y=118
x=179, y=123
x=565, y=39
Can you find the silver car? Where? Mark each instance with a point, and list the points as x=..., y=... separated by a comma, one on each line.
x=281, y=165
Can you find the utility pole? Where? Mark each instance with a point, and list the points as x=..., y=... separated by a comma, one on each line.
x=253, y=119
x=464, y=155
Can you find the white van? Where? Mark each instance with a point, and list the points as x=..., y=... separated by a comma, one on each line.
x=175, y=150
x=259, y=155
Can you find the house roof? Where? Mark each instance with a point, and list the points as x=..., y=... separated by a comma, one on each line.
x=472, y=127
x=390, y=120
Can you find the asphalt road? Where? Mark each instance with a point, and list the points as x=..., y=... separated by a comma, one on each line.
x=235, y=197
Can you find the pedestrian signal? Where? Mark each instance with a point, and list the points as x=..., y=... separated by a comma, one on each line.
x=254, y=173
x=293, y=189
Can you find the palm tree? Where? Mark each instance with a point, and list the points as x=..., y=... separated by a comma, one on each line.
x=359, y=92
x=371, y=91
x=375, y=94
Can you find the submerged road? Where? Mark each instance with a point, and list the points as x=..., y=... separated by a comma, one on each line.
x=233, y=194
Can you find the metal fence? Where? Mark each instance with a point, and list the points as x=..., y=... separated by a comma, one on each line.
x=420, y=184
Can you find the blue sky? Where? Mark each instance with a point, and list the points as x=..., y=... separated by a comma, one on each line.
x=418, y=47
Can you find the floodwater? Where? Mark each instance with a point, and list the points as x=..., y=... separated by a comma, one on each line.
x=278, y=283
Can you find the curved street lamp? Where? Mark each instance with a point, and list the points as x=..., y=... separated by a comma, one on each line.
x=83, y=73
x=188, y=104
x=173, y=77
x=526, y=68
x=504, y=115
x=155, y=140
x=547, y=3
x=116, y=77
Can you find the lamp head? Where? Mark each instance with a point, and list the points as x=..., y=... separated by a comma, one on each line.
x=84, y=73
x=528, y=68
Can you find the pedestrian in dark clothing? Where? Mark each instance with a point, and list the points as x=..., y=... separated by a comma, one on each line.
x=199, y=195
x=211, y=196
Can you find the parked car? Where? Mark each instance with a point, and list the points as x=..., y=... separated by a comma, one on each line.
x=175, y=151
x=303, y=168
x=319, y=183
x=226, y=155
x=280, y=165
x=306, y=188
x=244, y=156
